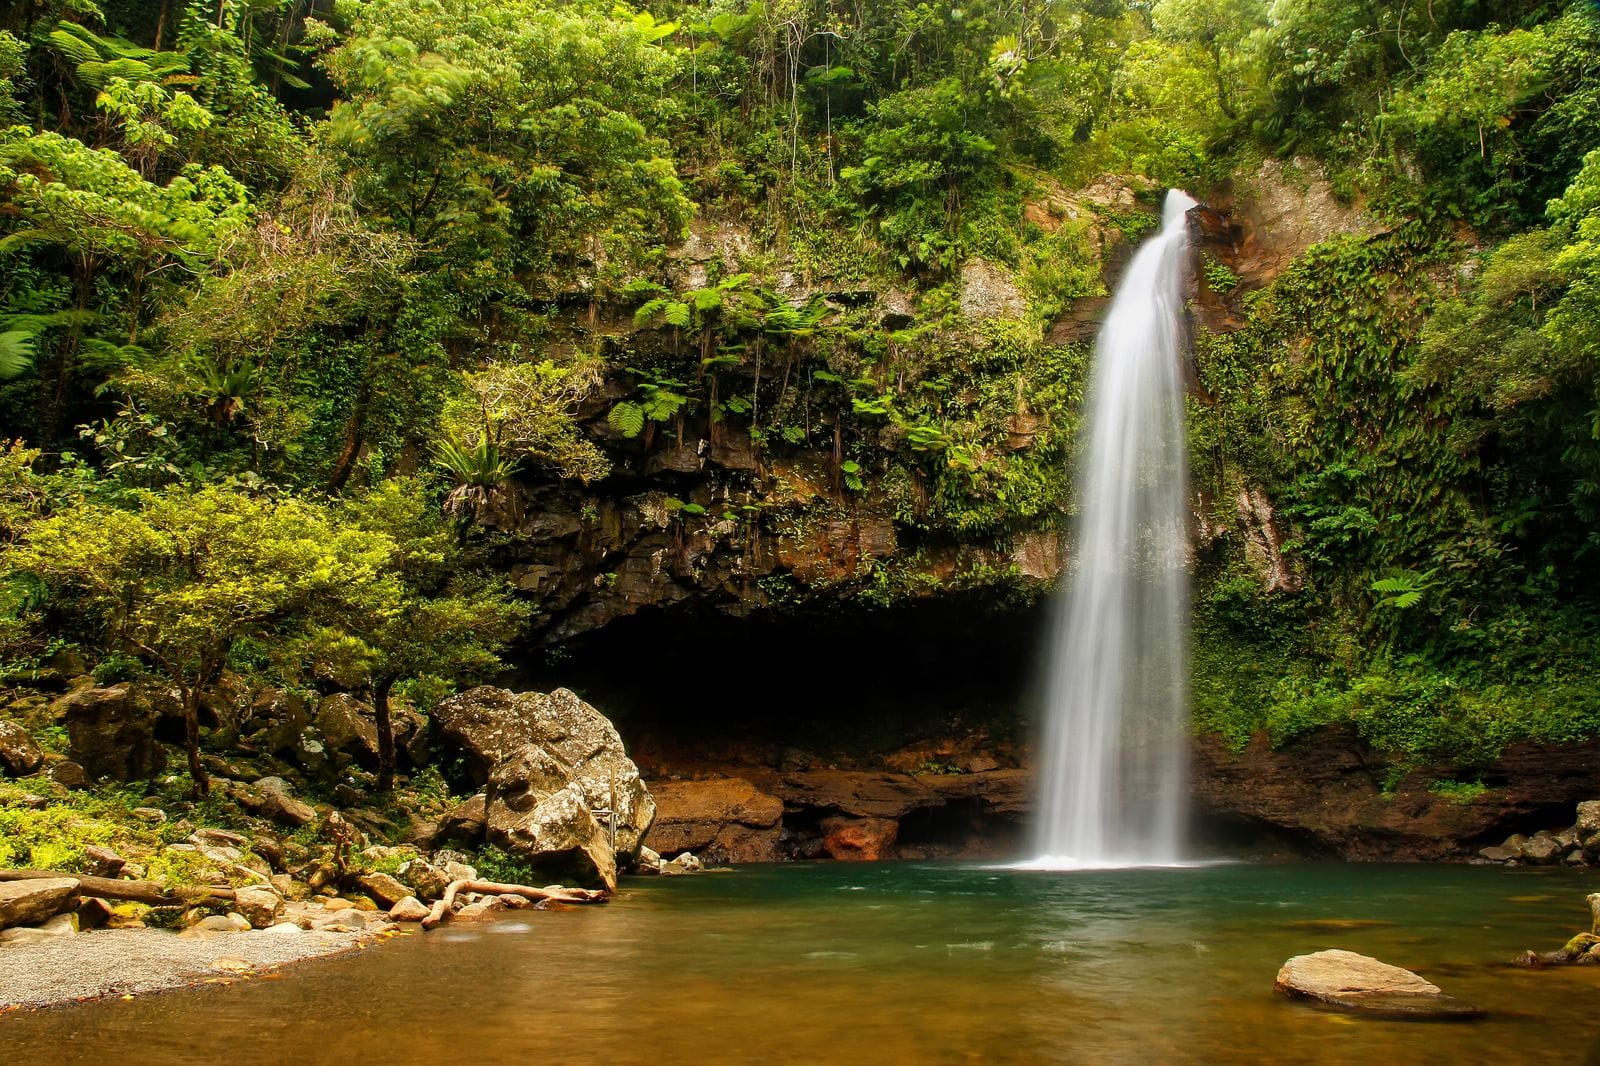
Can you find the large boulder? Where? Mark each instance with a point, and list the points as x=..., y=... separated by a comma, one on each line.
x=36, y=900
x=1360, y=983
x=111, y=731
x=727, y=820
x=555, y=830
x=577, y=746
x=19, y=755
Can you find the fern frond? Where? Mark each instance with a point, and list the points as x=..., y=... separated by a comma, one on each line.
x=626, y=418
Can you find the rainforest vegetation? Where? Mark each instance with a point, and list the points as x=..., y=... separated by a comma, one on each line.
x=294, y=294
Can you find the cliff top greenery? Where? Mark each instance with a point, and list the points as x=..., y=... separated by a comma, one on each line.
x=294, y=294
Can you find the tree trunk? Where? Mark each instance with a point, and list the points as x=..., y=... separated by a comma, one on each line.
x=380, y=712
x=495, y=888
x=191, y=741
x=148, y=892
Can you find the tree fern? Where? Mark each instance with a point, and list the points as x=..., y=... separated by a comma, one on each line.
x=626, y=418
x=16, y=353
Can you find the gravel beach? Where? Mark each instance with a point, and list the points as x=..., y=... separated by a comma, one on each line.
x=109, y=962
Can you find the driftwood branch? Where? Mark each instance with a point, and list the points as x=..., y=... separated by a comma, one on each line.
x=134, y=891
x=494, y=888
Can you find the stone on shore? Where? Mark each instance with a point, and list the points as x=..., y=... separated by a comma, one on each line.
x=410, y=909
x=1349, y=981
x=34, y=901
x=383, y=888
x=19, y=755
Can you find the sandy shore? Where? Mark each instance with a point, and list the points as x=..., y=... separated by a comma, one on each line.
x=108, y=962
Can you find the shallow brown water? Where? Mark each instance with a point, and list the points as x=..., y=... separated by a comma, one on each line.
x=900, y=963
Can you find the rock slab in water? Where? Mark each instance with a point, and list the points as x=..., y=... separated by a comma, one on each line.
x=1363, y=984
x=33, y=901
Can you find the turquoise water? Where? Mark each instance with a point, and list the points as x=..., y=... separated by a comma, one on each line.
x=900, y=963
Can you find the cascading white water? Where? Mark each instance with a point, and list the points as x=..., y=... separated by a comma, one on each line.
x=1114, y=761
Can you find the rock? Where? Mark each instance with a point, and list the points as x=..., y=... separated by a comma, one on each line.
x=94, y=913
x=1593, y=900
x=345, y=920
x=687, y=863
x=347, y=726
x=649, y=862
x=428, y=880
x=273, y=797
x=70, y=775
x=988, y=291
x=19, y=755
x=259, y=906
x=216, y=925
x=859, y=839
x=465, y=823
x=482, y=909
x=494, y=726
x=275, y=721
x=455, y=869
x=728, y=820
x=1355, y=982
x=1499, y=854
x=1319, y=796
x=111, y=731
x=1542, y=849
x=558, y=832
x=153, y=815
x=384, y=889
x=33, y=901
x=410, y=909
x=1587, y=823
x=102, y=862
x=62, y=925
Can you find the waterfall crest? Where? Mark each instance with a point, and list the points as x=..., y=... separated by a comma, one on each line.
x=1115, y=754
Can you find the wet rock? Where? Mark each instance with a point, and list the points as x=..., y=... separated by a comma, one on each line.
x=19, y=755
x=479, y=911
x=1499, y=854
x=1360, y=983
x=383, y=888
x=729, y=820
x=687, y=863
x=111, y=731
x=859, y=839
x=258, y=905
x=409, y=909
x=649, y=862
x=33, y=901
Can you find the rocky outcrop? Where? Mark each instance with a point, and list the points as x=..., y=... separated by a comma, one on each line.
x=112, y=731
x=1324, y=795
x=726, y=820
x=1359, y=983
x=558, y=782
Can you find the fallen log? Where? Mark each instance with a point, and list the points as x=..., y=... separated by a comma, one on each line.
x=558, y=893
x=150, y=892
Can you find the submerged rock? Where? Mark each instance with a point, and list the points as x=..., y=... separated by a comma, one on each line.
x=1361, y=983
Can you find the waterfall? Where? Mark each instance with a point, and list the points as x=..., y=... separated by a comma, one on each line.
x=1115, y=754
